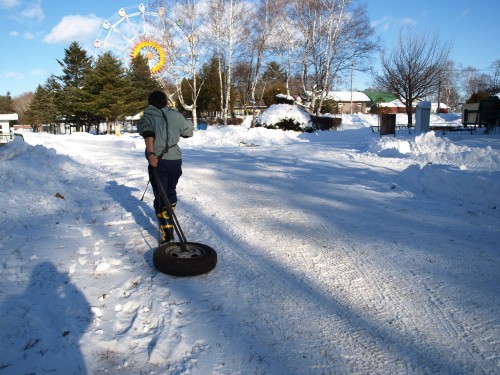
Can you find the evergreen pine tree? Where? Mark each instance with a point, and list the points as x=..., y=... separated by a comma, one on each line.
x=43, y=108
x=274, y=73
x=71, y=101
x=274, y=78
x=140, y=84
x=209, y=99
x=106, y=90
x=6, y=104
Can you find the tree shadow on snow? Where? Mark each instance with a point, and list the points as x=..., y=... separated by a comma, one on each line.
x=40, y=329
x=142, y=212
x=252, y=261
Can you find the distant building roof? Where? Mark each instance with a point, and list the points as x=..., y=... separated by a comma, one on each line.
x=9, y=117
x=380, y=96
x=392, y=104
x=345, y=96
x=136, y=117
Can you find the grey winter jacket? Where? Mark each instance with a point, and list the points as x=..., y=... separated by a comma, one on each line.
x=152, y=121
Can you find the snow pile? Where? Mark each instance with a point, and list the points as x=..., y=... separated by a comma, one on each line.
x=430, y=149
x=446, y=169
x=358, y=121
x=231, y=136
x=281, y=112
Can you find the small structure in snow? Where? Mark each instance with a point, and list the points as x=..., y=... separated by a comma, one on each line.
x=344, y=99
x=5, y=120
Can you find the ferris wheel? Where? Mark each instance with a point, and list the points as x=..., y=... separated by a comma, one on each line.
x=142, y=30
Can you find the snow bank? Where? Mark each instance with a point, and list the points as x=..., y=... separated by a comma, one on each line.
x=230, y=136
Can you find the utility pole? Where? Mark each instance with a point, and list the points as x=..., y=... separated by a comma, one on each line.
x=439, y=93
x=352, y=69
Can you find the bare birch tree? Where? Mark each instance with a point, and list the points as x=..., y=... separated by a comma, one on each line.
x=228, y=26
x=413, y=68
x=261, y=31
x=285, y=41
x=189, y=11
x=448, y=90
x=334, y=34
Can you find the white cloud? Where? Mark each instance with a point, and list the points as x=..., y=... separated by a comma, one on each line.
x=74, y=28
x=14, y=34
x=7, y=4
x=408, y=22
x=385, y=23
x=28, y=36
x=33, y=11
x=14, y=75
x=37, y=72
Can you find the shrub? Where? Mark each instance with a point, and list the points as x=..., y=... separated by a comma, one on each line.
x=234, y=121
x=329, y=106
x=286, y=124
x=326, y=123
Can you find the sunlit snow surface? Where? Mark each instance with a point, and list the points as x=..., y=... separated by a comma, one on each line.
x=338, y=253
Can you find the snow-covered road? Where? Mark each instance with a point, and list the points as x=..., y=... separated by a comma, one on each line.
x=333, y=258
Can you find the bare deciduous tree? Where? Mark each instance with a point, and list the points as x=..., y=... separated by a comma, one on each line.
x=333, y=35
x=495, y=75
x=189, y=12
x=261, y=31
x=228, y=24
x=285, y=42
x=413, y=67
x=448, y=89
x=22, y=104
x=473, y=81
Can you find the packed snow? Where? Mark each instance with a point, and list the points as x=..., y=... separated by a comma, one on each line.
x=339, y=252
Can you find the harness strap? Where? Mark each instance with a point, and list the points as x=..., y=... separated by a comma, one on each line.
x=167, y=147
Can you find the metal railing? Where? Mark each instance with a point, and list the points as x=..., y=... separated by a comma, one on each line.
x=4, y=138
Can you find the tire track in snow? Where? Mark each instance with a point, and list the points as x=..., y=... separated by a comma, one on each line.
x=421, y=295
x=290, y=249
x=361, y=275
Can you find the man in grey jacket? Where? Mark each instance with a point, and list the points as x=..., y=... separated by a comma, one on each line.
x=161, y=129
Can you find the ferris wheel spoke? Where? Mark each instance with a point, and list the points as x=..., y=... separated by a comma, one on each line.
x=133, y=26
x=111, y=46
x=150, y=33
x=122, y=36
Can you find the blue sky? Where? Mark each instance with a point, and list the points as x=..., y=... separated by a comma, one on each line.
x=34, y=33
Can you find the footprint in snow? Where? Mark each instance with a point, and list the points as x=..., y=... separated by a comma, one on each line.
x=105, y=266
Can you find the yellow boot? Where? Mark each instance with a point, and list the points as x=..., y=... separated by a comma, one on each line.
x=166, y=227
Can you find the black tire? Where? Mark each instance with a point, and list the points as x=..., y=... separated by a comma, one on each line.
x=195, y=259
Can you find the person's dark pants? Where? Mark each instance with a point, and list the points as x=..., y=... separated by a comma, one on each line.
x=169, y=172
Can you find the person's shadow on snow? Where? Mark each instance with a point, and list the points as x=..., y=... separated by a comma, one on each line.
x=41, y=328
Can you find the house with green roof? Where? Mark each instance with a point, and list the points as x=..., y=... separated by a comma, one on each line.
x=379, y=96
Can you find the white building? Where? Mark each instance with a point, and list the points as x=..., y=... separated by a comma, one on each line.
x=5, y=121
x=359, y=101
